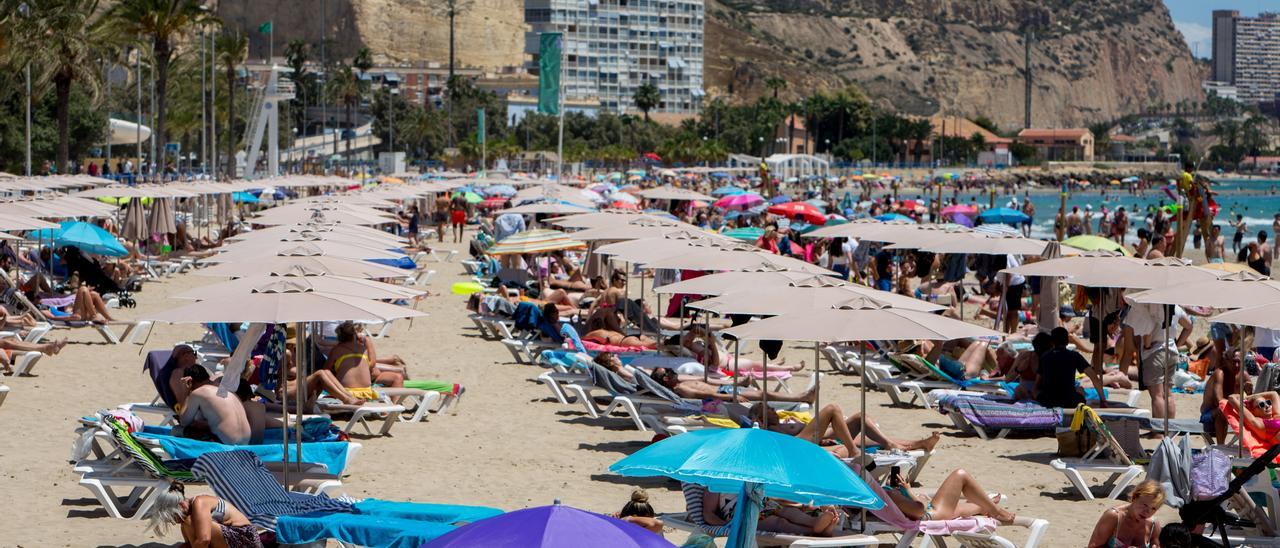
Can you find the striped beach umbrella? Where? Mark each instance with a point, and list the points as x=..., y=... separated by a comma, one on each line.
x=535, y=241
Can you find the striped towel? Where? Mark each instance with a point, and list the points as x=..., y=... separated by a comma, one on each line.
x=238, y=476
x=990, y=413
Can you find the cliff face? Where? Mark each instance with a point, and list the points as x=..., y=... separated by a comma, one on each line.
x=1092, y=61
x=488, y=33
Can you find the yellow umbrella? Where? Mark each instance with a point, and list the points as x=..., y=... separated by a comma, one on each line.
x=1230, y=267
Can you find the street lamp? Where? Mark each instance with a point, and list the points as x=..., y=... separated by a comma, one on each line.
x=24, y=10
x=394, y=93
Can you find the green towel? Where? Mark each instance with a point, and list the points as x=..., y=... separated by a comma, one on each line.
x=433, y=386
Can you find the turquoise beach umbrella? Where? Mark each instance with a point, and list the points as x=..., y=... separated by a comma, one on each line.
x=244, y=198
x=90, y=238
x=746, y=234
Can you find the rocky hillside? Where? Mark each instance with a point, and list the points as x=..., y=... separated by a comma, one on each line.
x=488, y=34
x=1092, y=60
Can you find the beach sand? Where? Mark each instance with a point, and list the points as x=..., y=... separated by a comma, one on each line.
x=508, y=444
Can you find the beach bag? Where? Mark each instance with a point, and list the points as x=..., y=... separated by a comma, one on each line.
x=1075, y=443
x=1209, y=472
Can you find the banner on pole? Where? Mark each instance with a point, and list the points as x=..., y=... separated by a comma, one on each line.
x=549, y=72
x=265, y=28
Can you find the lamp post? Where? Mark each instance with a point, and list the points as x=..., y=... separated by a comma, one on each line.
x=25, y=11
x=394, y=93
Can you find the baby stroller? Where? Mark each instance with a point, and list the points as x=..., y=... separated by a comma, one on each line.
x=1212, y=512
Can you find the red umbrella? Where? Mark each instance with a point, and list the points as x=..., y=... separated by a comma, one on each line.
x=801, y=210
x=494, y=202
x=652, y=156
x=624, y=205
x=908, y=204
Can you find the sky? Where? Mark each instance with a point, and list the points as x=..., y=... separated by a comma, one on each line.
x=1195, y=17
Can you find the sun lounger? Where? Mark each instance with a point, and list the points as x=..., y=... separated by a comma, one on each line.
x=920, y=376
x=298, y=518
x=1107, y=456
x=4, y=392
x=132, y=329
x=449, y=255
x=846, y=361
x=692, y=521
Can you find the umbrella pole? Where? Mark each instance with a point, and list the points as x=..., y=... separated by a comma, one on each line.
x=764, y=394
x=284, y=406
x=862, y=385
x=302, y=396
x=736, y=344
x=817, y=390
x=1244, y=375
x=706, y=367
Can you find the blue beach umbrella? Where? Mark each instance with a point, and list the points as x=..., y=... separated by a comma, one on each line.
x=1003, y=215
x=889, y=217
x=727, y=190
x=746, y=234
x=753, y=463
x=245, y=198
x=90, y=238
x=779, y=199
x=499, y=190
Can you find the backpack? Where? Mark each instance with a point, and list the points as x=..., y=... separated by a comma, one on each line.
x=1210, y=470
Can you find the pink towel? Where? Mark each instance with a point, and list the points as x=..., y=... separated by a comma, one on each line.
x=976, y=524
x=593, y=346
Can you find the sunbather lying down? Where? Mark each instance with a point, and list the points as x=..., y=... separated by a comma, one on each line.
x=778, y=516
x=321, y=380
x=959, y=496
x=614, y=338
x=849, y=432
x=48, y=349
x=695, y=341
x=696, y=388
x=88, y=307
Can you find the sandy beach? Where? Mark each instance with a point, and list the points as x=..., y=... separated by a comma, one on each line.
x=509, y=444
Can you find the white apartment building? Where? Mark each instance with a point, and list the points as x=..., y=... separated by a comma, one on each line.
x=1246, y=54
x=612, y=47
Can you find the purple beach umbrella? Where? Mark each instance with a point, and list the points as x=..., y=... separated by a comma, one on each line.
x=554, y=526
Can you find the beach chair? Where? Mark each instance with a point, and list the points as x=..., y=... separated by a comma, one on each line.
x=133, y=466
x=920, y=377
x=524, y=348
x=692, y=520
x=132, y=329
x=4, y=392
x=848, y=361
x=298, y=518
x=362, y=415
x=1107, y=456
x=24, y=362
x=448, y=258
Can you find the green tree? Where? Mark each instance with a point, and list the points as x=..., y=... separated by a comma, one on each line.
x=647, y=98
x=362, y=62
x=296, y=54
x=775, y=84
x=230, y=50
x=161, y=23
x=346, y=88
x=63, y=41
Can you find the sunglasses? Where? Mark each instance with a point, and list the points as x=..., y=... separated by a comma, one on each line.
x=1264, y=404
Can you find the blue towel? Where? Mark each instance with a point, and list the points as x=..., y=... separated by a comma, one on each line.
x=332, y=454
x=1089, y=393
x=360, y=530
x=419, y=511
x=569, y=333
x=401, y=262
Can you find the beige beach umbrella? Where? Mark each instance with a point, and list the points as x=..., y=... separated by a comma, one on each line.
x=734, y=260
x=161, y=219
x=720, y=283
x=299, y=216
x=135, y=222
x=285, y=231
x=1117, y=271
x=637, y=230
x=303, y=266
x=549, y=208
x=814, y=293
x=612, y=217
x=328, y=285
x=16, y=222
x=253, y=250
x=226, y=208
x=977, y=243
x=668, y=192
x=872, y=231
x=1238, y=290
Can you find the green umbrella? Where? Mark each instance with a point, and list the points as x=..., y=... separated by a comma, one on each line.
x=472, y=198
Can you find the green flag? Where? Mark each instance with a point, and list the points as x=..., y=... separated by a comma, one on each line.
x=549, y=73
x=480, y=131
x=265, y=28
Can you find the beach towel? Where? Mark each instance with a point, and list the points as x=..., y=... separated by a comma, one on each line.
x=592, y=346
x=381, y=523
x=991, y=413
x=565, y=358
x=332, y=454
x=644, y=385
x=433, y=386
x=1256, y=442
x=571, y=338
x=1169, y=467
x=160, y=364
x=239, y=477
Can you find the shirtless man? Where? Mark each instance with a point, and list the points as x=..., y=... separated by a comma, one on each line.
x=696, y=389
x=1028, y=209
x=1120, y=225
x=441, y=215
x=224, y=413
x=1215, y=246
x=1074, y=224
x=351, y=363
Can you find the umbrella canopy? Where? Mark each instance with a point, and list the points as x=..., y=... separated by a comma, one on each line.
x=805, y=295
x=1266, y=316
x=135, y=227
x=730, y=282
x=1089, y=242
x=675, y=243
x=630, y=231
x=500, y=190
x=14, y=222
x=161, y=220
x=799, y=210
x=598, y=219
x=253, y=250
x=668, y=192
x=894, y=217
x=303, y=266
x=727, y=190
x=550, y=208
x=962, y=209
x=1230, y=267
x=1003, y=215
x=739, y=202
x=535, y=241
x=981, y=244
x=553, y=526
x=293, y=216
x=285, y=304
x=289, y=232
x=746, y=234
x=723, y=459
x=872, y=231
x=860, y=319
x=1114, y=271
x=735, y=260
x=329, y=285
x=1239, y=290
x=90, y=238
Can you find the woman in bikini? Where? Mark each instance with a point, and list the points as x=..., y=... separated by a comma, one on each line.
x=848, y=431
x=959, y=496
x=88, y=306
x=205, y=520
x=1260, y=415
x=1131, y=524
x=349, y=360
x=777, y=516
x=695, y=341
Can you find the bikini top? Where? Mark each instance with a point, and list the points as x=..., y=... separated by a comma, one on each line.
x=1114, y=541
x=219, y=513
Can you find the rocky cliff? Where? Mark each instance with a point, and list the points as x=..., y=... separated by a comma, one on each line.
x=1092, y=61
x=489, y=33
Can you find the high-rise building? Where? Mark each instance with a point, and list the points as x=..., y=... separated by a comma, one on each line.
x=1224, y=40
x=612, y=47
x=1246, y=54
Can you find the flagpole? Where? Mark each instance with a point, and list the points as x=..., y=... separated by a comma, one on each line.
x=271, y=43
x=560, y=98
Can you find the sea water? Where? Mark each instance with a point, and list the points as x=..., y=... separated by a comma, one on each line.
x=1257, y=200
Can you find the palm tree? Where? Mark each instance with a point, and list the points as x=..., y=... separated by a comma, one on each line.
x=647, y=98
x=230, y=49
x=918, y=131
x=775, y=83
x=295, y=55
x=363, y=61
x=159, y=22
x=347, y=88
x=63, y=42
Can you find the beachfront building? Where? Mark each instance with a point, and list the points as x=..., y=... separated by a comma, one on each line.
x=520, y=105
x=1246, y=54
x=792, y=137
x=612, y=47
x=1061, y=145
